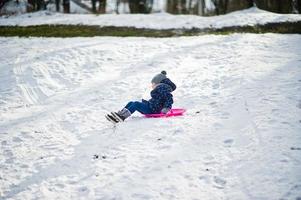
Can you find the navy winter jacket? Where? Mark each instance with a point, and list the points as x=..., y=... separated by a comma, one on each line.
x=161, y=96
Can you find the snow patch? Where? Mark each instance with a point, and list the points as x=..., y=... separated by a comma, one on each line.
x=240, y=137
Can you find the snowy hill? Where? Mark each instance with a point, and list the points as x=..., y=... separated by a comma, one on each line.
x=240, y=138
x=250, y=16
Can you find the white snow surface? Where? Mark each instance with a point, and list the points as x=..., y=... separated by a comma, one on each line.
x=250, y=16
x=240, y=138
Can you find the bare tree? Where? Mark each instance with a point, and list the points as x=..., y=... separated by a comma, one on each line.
x=251, y=3
x=35, y=5
x=102, y=6
x=93, y=5
x=66, y=6
x=117, y=6
x=57, y=5
x=221, y=6
x=141, y=6
x=201, y=7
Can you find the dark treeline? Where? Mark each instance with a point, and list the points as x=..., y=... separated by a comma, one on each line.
x=196, y=7
x=225, y=6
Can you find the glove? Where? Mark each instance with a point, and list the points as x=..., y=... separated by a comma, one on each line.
x=165, y=110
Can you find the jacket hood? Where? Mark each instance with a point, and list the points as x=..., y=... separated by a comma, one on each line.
x=168, y=82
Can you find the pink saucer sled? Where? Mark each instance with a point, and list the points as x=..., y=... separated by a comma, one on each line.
x=173, y=112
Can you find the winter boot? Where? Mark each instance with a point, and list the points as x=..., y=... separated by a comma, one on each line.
x=122, y=114
x=111, y=119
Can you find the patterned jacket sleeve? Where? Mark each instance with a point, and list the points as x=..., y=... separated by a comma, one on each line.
x=168, y=101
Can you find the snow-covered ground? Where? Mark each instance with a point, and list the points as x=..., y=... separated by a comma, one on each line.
x=240, y=138
x=250, y=16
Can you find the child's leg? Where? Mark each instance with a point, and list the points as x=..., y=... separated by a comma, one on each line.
x=129, y=104
x=130, y=108
x=139, y=106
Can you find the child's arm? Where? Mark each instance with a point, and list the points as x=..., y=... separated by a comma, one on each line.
x=168, y=101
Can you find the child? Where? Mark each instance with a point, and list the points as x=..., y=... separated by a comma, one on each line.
x=161, y=100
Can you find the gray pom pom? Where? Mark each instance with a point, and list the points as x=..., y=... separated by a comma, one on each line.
x=164, y=73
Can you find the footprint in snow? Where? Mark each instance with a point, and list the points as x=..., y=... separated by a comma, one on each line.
x=141, y=196
x=284, y=122
x=83, y=190
x=225, y=115
x=219, y=183
x=26, y=135
x=299, y=105
x=24, y=166
x=17, y=139
x=228, y=142
x=275, y=110
x=9, y=161
x=217, y=125
x=163, y=147
x=205, y=179
x=215, y=86
x=213, y=104
x=8, y=153
x=59, y=185
x=178, y=131
x=215, y=94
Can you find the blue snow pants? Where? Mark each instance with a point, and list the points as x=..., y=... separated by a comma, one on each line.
x=141, y=107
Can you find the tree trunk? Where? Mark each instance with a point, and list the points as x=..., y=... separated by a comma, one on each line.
x=283, y=6
x=200, y=7
x=251, y=3
x=39, y=5
x=216, y=5
x=66, y=5
x=102, y=6
x=183, y=9
x=93, y=5
x=140, y=6
x=190, y=9
x=30, y=5
x=57, y=5
x=117, y=6
x=226, y=6
x=134, y=6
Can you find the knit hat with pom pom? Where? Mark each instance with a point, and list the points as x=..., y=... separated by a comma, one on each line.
x=159, y=77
